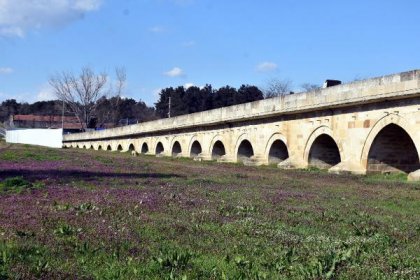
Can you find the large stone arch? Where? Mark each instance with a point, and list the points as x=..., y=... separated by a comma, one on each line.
x=145, y=147
x=157, y=149
x=244, y=150
x=275, y=138
x=131, y=147
x=176, y=144
x=176, y=149
x=380, y=126
x=317, y=137
x=193, y=150
x=217, y=138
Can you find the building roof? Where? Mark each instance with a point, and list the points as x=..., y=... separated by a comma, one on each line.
x=54, y=121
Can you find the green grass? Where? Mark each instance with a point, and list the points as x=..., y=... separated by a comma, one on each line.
x=27, y=152
x=102, y=215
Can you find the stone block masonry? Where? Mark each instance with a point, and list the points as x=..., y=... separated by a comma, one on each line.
x=360, y=127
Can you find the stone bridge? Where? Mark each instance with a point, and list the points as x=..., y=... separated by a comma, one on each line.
x=364, y=126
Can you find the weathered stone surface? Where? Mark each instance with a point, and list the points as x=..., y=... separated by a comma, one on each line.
x=340, y=168
x=371, y=125
x=286, y=164
x=414, y=176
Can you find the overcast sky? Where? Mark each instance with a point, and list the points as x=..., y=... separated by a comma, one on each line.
x=165, y=43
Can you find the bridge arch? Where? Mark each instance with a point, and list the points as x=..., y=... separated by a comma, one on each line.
x=391, y=147
x=243, y=149
x=99, y=147
x=131, y=147
x=144, y=148
x=276, y=149
x=176, y=149
x=109, y=148
x=194, y=147
x=217, y=147
x=321, y=149
x=159, y=148
x=119, y=148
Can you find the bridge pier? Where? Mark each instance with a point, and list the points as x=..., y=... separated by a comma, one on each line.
x=226, y=158
x=353, y=167
x=254, y=161
x=203, y=157
x=292, y=163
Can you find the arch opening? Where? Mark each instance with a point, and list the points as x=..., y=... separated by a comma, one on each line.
x=109, y=148
x=393, y=150
x=99, y=147
x=278, y=152
x=195, y=149
x=324, y=152
x=119, y=148
x=91, y=147
x=144, y=148
x=84, y=147
x=131, y=148
x=218, y=150
x=245, y=151
x=176, y=149
x=159, y=148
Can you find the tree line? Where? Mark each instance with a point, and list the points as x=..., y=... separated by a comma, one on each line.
x=180, y=101
x=116, y=110
x=111, y=111
x=97, y=102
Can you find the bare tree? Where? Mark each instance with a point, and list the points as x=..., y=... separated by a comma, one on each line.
x=81, y=93
x=108, y=108
x=310, y=87
x=277, y=87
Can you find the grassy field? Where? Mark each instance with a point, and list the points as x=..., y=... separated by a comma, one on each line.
x=83, y=214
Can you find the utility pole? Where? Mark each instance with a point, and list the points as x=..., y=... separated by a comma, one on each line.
x=169, y=108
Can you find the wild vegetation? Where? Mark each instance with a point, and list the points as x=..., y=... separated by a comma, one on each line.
x=67, y=214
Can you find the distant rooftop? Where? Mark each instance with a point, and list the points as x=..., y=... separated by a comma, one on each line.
x=50, y=121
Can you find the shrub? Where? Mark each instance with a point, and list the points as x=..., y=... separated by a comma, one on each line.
x=17, y=185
